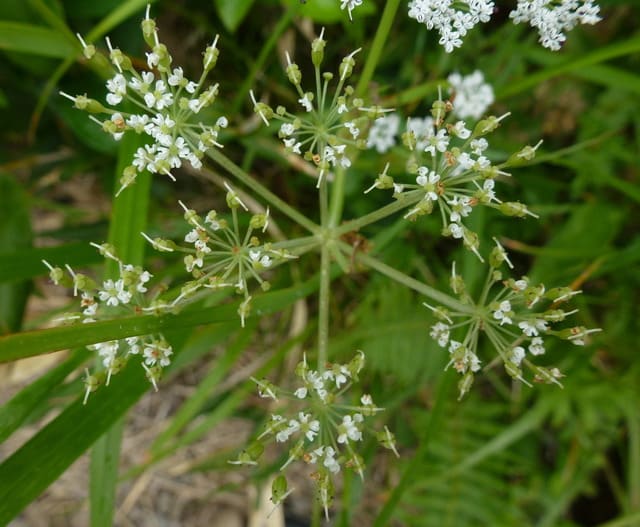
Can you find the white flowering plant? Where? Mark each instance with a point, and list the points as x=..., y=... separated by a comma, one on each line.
x=354, y=221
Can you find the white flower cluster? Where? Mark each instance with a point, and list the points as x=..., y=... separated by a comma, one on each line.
x=327, y=127
x=116, y=298
x=451, y=18
x=452, y=172
x=220, y=256
x=383, y=132
x=168, y=105
x=454, y=18
x=512, y=321
x=472, y=97
x=325, y=434
x=471, y=94
x=553, y=18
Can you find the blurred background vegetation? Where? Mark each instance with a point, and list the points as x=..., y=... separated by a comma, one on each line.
x=506, y=455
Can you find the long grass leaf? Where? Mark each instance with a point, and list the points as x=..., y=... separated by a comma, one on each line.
x=35, y=40
x=30, y=343
x=18, y=409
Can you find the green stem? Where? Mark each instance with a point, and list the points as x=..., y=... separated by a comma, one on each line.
x=410, y=282
x=323, y=306
x=323, y=198
x=372, y=217
x=306, y=243
x=377, y=47
x=262, y=191
x=128, y=218
x=337, y=198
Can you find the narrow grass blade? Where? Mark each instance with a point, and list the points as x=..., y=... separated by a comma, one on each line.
x=18, y=409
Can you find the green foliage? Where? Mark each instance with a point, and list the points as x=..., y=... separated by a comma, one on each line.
x=505, y=455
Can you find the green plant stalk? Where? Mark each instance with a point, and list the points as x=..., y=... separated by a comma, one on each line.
x=323, y=201
x=372, y=217
x=323, y=306
x=30, y=343
x=633, y=425
x=408, y=281
x=377, y=47
x=337, y=198
x=128, y=219
x=262, y=191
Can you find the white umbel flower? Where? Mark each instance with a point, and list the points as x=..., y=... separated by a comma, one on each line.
x=472, y=95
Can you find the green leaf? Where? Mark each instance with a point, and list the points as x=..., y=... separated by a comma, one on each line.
x=30, y=343
x=329, y=12
x=35, y=40
x=18, y=409
x=233, y=13
x=572, y=65
x=563, y=258
x=15, y=232
x=40, y=461
x=27, y=263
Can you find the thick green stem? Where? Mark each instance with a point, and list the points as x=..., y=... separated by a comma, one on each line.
x=262, y=191
x=323, y=306
x=337, y=198
x=377, y=47
x=372, y=217
x=323, y=198
x=410, y=282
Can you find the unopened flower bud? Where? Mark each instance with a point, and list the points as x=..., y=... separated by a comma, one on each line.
x=513, y=208
x=317, y=50
x=293, y=74
x=82, y=102
x=387, y=440
x=512, y=370
x=211, y=55
x=523, y=156
x=148, y=26
x=464, y=385
x=346, y=67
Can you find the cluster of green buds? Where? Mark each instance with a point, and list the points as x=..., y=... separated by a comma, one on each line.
x=329, y=125
x=220, y=256
x=516, y=318
x=168, y=106
x=452, y=173
x=125, y=296
x=324, y=432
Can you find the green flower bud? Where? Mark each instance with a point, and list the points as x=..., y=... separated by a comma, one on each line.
x=293, y=74
x=356, y=364
x=148, y=27
x=560, y=294
x=438, y=110
x=464, y=385
x=513, y=208
x=317, y=50
x=512, y=370
x=120, y=60
x=211, y=56
x=278, y=489
x=82, y=102
x=523, y=156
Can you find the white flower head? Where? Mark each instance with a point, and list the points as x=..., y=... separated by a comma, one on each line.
x=472, y=95
x=383, y=132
